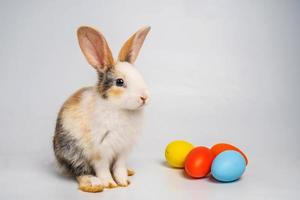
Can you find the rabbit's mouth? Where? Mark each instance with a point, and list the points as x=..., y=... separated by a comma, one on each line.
x=142, y=105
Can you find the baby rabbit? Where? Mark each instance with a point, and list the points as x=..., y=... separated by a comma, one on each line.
x=97, y=126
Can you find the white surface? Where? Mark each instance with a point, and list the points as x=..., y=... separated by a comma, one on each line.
x=218, y=71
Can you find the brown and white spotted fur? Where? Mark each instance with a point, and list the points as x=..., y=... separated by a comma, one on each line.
x=97, y=126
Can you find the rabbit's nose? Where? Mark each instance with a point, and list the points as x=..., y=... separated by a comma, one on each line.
x=143, y=98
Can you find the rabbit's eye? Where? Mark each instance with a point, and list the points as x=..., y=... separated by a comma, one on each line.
x=120, y=82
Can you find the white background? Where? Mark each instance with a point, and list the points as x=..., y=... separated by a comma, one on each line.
x=219, y=71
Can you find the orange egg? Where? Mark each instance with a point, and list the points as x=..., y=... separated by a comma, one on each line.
x=219, y=148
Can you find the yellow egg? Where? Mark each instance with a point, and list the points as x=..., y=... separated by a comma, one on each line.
x=176, y=153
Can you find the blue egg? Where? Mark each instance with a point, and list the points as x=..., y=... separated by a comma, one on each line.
x=228, y=166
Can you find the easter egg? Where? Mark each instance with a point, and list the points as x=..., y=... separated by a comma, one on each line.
x=176, y=153
x=198, y=162
x=219, y=148
x=228, y=166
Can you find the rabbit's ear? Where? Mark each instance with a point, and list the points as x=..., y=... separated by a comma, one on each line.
x=132, y=46
x=95, y=48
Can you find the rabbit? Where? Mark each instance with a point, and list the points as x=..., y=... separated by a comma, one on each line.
x=97, y=126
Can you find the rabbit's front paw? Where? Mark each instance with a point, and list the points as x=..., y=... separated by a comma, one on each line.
x=108, y=182
x=89, y=183
x=121, y=177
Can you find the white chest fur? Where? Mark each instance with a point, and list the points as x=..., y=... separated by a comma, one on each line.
x=114, y=131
